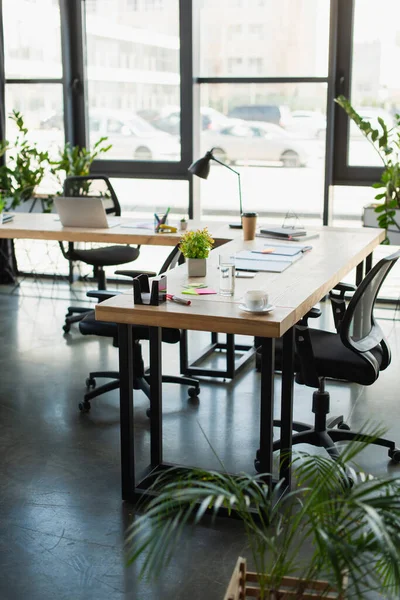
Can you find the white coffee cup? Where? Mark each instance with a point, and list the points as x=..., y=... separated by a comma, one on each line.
x=255, y=300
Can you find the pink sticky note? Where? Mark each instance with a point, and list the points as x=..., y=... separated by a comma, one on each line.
x=205, y=291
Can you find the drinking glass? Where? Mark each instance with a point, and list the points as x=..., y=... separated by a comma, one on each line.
x=226, y=275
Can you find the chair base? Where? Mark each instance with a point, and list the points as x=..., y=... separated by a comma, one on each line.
x=71, y=318
x=139, y=383
x=326, y=432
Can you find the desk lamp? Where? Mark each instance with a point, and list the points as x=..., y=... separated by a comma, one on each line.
x=201, y=168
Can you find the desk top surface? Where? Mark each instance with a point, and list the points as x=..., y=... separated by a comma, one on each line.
x=39, y=226
x=294, y=292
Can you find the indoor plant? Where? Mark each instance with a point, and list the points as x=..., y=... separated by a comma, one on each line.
x=352, y=521
x=195, y=247
x=25, y=167
x=387, y=144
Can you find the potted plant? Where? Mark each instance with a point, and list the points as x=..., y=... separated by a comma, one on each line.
x=386, y=142
x=76, y=161
x=183, y=224
x=25, y=167
x=195, y=247
x=351, y=520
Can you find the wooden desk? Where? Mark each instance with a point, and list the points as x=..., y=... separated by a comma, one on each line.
x=294, y=292
x=39, y=226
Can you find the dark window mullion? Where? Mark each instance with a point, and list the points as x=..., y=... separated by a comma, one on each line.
x=72, y=47
x=34, y=80
x=246, y=80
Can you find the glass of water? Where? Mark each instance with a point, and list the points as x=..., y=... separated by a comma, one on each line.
x=226, y=274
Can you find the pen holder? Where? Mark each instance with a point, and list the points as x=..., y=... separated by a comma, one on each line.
x=159, y=220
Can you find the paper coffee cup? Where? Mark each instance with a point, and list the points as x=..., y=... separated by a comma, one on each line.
x=249, y=224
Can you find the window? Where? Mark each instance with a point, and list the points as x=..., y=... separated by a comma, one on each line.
x=282, y=166
x=375, y=90
x=33, y=74
x=138, y=72
x=295, y=34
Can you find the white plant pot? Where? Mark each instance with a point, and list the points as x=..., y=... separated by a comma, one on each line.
x=370, y=219
x=197, y=267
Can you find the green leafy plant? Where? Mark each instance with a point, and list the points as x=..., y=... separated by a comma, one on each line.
x=196, y=244
x=386, y=143
x=77, y=160
x=3, y=202
x=352, y=521
x=25, y=167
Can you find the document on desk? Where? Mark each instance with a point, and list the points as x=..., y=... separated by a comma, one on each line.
x=246, y=260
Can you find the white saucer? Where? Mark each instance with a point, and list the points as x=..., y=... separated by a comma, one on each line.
x=267, y=309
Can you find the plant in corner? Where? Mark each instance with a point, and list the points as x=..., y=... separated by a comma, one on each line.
x=386, y=142
x=338, y=532
x=25, y=167
x=195, y=247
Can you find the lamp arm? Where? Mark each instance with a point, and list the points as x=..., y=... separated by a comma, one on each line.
x=233, y=171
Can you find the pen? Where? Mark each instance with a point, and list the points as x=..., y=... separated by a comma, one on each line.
x=179, y=300
x=164, y=219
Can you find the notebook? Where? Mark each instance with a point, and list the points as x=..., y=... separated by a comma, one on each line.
x=85, y=212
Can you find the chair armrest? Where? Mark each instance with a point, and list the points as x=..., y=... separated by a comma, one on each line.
x=337, y=296
x=314, y=313
x=133, y=274
x=101, y=295
x=343, y=288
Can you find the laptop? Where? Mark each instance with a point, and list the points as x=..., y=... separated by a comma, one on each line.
x=85, y=212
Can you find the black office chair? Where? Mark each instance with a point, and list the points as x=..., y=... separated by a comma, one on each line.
x=89, y=326
x=356, y=353
x=98, y=258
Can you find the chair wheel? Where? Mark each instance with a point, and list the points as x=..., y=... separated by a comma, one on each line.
x=395, y=454
x=343, y=426
x=193, y=392
x=84, y=407
x=90, y=382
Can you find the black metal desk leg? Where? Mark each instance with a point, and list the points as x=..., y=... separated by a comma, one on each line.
x=126, y=411
x=359, y=273
x=155, y=397
x=285, y=471
x=267, y=406
x=368, y=263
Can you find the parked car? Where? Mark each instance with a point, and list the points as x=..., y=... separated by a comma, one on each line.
x=308, y=123
x=255, y=141
x=270, y=113
x=132, y=137
x=169, y=119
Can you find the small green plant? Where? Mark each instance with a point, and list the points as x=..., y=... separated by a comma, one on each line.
x=25, y=167
x=77, y=160
x=351, y=520
x=386, y=143
x=196, y=244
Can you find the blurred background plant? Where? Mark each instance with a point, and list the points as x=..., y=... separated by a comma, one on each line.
x=387, y=144
x=25, y=166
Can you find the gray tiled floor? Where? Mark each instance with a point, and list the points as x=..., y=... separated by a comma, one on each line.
x=62, y=521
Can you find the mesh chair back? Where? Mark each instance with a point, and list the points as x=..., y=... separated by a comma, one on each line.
x=93, y=185
x=358, y=329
